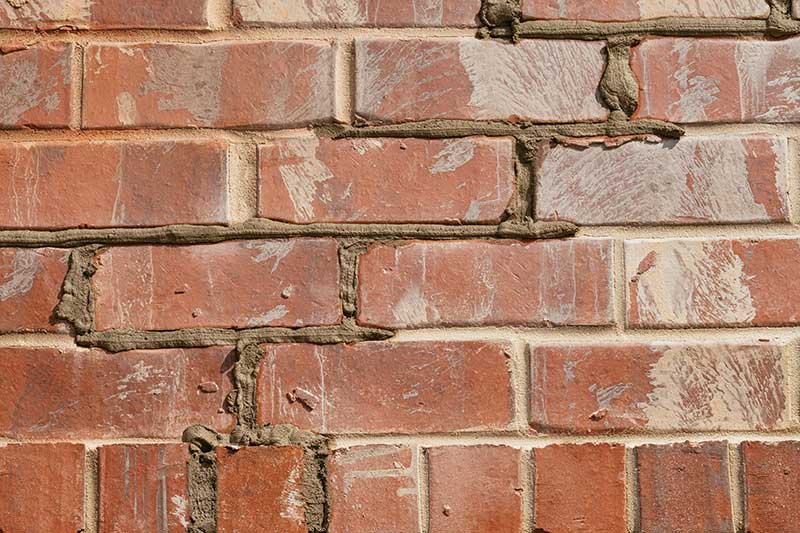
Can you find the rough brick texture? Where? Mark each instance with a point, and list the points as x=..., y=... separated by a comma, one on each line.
x=475, y=488
x=772, y=482
x=159, y=287
x=684, y=487
x=385, y=387
x=629, y=10
x=461, y=283
x=595, y=504
x=717, y=80
x=415, y=79
x=42, y=488
x=712, y=282
x=719, y=179
x=399, y=266
x=659, y=386
x=260, y=489
x=372, y=489
x=386, y=13
x=54, y=14
x=209, y=85
x=36, y=85
x=386, y=180
x=79, y=394
x=30, y=286
x=143, y=488
x=126, y=184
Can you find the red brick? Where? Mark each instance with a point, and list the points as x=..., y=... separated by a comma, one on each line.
x=771, y=486
x=181, y=14
x=83, y=14
x=89, y=394
x=36, y=86
x=126, y=183
x=712, y=283
x=631, y=10
x=373, y=489
x=595, y=504
x=381, y=387
x=386, y=180
x=475, y=489
x=259, y=489
x=718, y=80
x=144, y=488
x=658, y=386
x=208, y=85
x=461, y=283
x=719, y=179
x=468, y=78
x=231, y=284
x=382, y=13
x=683, y=488
x=30, y=287
x=42, y=488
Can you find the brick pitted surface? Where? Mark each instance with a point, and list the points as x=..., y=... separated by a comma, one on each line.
x=408, y=266
x=684, y=487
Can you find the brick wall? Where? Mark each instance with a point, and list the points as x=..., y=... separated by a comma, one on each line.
x=416, y=266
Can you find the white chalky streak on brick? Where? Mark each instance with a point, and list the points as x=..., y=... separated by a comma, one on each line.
x=649, y=9
x=726, y=392
x=688, y=282
x=301, y=170
x=538, y=79
x=645, y=182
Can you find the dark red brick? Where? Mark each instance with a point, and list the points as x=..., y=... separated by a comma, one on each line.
x=373, y=489
x=47, y=393
x=684, y=488
x=580, y=488
x=475, y=489
x=260, y=489
x=771, y=486
x=42, y=488
x=144, y=488
x=381, y=387
x=232, y=284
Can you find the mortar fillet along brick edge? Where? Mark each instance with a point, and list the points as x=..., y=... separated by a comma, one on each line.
x=203, y=443
x=502, y=19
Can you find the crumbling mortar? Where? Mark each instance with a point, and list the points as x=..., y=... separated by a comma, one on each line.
x=120, y=340
x=349, y=254
x=269, y=229
x=448, y=128
x=203, y=442
x=243, y=399
x=76, y=305
x=619, y=88
x=509, y=26
x=526, y=154
x=780, y=23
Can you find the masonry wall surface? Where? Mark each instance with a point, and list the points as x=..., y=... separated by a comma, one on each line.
x=416, y=266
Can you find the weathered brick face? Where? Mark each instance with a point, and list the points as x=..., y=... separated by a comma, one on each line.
x=407, y=266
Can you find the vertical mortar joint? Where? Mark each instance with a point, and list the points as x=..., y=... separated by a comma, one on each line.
x=780, y=22
x=496, y=13
x=349, y=253
x=619, y=87
x=242, y=400
x=76, y=305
